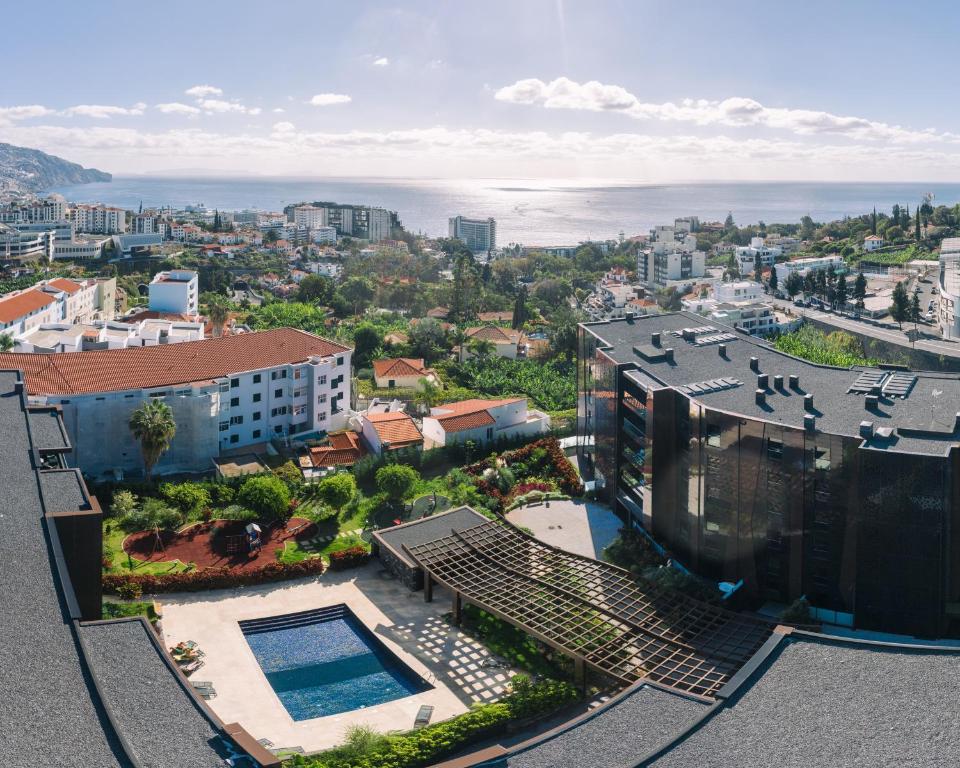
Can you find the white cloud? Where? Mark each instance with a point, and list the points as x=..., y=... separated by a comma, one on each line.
x=201, y=91
x=220, y=106
x=283, y=127
x=563, y=93
x=176, y=108
x=328, y=99
x=381, y=61
x=26, y=112
x=103, y=111
x=279, y=110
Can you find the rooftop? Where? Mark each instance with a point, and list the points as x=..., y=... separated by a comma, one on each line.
x=427, y=529
x=921, y=419
x=399, y=366
x=468, y=414
x=114, y=370
x=14, y=307
x=397, y=429
x=345, y=449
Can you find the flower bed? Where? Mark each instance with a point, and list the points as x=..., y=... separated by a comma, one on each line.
x=349, y=558
x=212, y=578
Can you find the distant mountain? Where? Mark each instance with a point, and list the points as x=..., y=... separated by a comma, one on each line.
x=30, y=170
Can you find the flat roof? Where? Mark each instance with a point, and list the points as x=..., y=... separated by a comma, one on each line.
x=47, y=429
x=925, y=421
x=427, y=529
x=821, y=701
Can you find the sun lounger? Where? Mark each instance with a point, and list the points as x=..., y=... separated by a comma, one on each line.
x=201, y=684
x=193, y=666
x=423, y=716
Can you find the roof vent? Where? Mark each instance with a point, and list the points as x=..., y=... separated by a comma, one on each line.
x=866, y=429
x=871, y=402
x=778, y=382
x=655, y=339
x=808, y=402
x=668, y=354
x=762, y=381
x=809, y=422
x=754, y=363
x=629, y=316
x=688, y=334
x=761, y=397
x=794, y=381
x=722, y=349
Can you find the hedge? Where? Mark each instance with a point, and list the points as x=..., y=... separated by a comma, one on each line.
x=348, y=558
x=212, y=578
x=424, y=746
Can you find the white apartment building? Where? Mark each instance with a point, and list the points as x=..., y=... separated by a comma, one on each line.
x=148, y=224
x=755, y=318
x=310, y=216
x=324, y=235
x=99, y=334
x=672, y=257
x=812, y=264
x=380, y=225
x=331, y=269
x=479, y=235
x=47, y=210
x=57, y=301
x=738, y=290
x=100, y=219
x=175, y=291
x=948, y=312
x=26, y=246
x=483, y=421
x=226, y=393
x=747, y=255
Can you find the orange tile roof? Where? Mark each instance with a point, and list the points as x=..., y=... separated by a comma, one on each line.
x=495, y=334
x=63, y=284
x=345, y=448
x=438, y=312
x=495, y=317
x=397, y=429
x=113, y=370
x=15, y=307
x=468, y=414
x=399, y=366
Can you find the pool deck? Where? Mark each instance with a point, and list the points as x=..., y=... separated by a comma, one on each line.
x=411, y=628
x=582, y=527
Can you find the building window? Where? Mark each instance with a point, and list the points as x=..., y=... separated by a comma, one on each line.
x=236, y=420
x=296, y=374
x=234, y=383
x=256, y=415
x=278, y=393
x=339, y=361
x=256, y=397
x=234, y=438
x=489, y=433
x=713, y=435
x=234, y=402
x=322, y=381
x=256, y=434
x=224, y=426
x=774, y=450
x=257, y=378
x=321, y=399
x=278, y=429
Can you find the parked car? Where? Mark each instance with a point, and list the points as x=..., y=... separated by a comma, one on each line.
x=798, y=303
x=929, y=317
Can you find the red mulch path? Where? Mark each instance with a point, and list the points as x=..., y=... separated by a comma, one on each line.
x=195, y=545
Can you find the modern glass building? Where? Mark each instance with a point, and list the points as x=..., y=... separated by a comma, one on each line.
x=841, y=485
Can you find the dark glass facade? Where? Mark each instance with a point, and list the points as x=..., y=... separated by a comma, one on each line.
x=868, y=534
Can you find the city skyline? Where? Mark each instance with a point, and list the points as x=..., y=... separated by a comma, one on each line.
x=641, y=92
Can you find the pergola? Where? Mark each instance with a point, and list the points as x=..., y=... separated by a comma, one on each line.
x=596, y=613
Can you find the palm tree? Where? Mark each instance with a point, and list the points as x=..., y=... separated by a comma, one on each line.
x=481, y=348
x=153, y=425
x=6, y=342
x=218, y=310
x=427, y=394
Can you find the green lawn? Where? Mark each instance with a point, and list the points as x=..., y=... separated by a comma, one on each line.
x=123, y=563
x=507, y=641
x=114, y=610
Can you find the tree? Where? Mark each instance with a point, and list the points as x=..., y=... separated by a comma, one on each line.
x=520, y=312
x=793, y=284
x=124, y=502
x=358, y=292
x=366, y=342
x=482, y=349
x=153, y=425
x=859, y=290
x=900, y=308
x=733, y=267
x=428, y=340
x=463, y=296
x=152, y=515
x=895, y=216
x=267, y=495
x=807, y=228
x=873, y=221
x=428, y=393
x=6, y=342
x=396, y=481
x=728, y=222
x=337, y=490
x=915, y=310
x=917, y=227
x=840, y=292
x=315, y=288
x=774, y=280
x=189, y=498
x=218, y=310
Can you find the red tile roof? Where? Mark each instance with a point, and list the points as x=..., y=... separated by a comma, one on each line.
x=15, y=307
x=113, y=370
x=495, y=334
x=345, y=449
x=63, y=284
x=399, y=366
x=468, y=414
x=397, y=429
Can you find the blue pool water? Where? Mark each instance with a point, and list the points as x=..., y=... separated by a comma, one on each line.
x=325, y=662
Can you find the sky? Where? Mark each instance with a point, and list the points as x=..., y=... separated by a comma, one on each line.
x=553, y=89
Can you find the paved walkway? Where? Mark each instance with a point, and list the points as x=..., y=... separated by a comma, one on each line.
x=582, y=527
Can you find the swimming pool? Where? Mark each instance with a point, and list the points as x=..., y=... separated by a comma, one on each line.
x=325, y=661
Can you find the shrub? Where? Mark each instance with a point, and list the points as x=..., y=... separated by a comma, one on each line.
x=124, y=502
x=633, y=551
x=348, y=558
x=238, y=512
x=267, y=495
x=189, y=498
x=212, y=578
x=397, y=481
x=337, y=490
x=152, y=514
x=130, y=591
x=798, y=612
x=221, y=493
x=291, y=475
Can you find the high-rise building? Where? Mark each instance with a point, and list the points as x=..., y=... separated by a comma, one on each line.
x=174, y=291
x=948, y=310
x=310, y=216
x=479, y=235
x=100, y=219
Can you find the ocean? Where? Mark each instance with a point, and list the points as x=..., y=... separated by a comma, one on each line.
x=530, y=212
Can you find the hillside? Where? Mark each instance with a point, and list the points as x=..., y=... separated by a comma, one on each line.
x=30, y=170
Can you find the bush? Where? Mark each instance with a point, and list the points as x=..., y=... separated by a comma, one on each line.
x=152, y=514
x=124, y=502
x=397, y=481
x=633, y=551
x=337, y=490
x=220, y=493
x=267, y=495
x=189, y=498
x=349, y=558
x=237, y=512
x=212, y=578
x=291, y=475
x=130, y=591
x=798, y=612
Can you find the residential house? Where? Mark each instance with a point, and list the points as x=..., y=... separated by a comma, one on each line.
x=390, y=432
x=483, y=421
x=403, y=372
x=344, y=450
x=872, y=243
x=507, y=342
